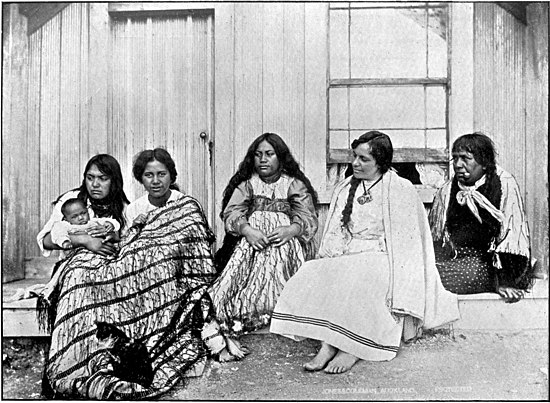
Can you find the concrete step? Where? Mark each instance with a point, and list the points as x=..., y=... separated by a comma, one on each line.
x=488, y=311
x=19, y=317
x=478, y=311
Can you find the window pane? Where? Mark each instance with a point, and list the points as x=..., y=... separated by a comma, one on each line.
x=435, y=105
x=437, y=139
x=437, y=42
x=338, y=114
x=406, y=138
x=399, y=138
x=386, y=4
x=339, y=44
x=387, y=107
x=388, y=43
x=339, y=139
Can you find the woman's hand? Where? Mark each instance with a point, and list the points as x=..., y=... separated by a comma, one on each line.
x=99, y=230
x=140, y=220
x=100, y=246
x=282, y=235
x=510, y=294
x=255, y=237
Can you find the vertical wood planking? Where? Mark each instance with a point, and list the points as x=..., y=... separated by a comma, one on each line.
x=536, y=78
x=499, y=93
x=14, y=129
x=98, y=78
x=49, y=117
x=224, y=106
x=83, y=100
x=293, y=61
x=273, y=70
x=34, y=220
x=249, y=20
x=315, y=122
x=68, y=164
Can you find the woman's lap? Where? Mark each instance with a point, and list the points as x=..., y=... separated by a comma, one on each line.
x=247, y=290
x=470, y=272
x=149, y=293
x=341, y=301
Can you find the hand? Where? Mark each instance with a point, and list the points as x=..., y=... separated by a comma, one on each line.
x=111, y=237
x=510, y=294
x=255, y=237
x=100, y=247
x=282, y=235
x=140, y=220
x=99, y=231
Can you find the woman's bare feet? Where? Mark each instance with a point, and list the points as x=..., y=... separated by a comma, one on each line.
x=341, y=363
x=233, y=351
x=325, y=354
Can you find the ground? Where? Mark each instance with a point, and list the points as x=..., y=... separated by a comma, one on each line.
x=461, y=365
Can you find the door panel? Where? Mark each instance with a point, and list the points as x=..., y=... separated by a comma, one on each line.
x=162, y=97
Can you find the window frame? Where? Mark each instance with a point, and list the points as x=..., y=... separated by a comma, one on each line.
x=425, y=154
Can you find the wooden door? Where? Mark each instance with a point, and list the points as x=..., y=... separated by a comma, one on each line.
x=161, y=96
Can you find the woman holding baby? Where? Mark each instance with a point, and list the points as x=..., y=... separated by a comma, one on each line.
x=150, y=288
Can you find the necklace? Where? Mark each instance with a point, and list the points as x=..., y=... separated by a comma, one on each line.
x=367, y=197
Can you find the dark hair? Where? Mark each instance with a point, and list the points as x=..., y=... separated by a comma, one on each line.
x=481, y=147
x=113, y=204
x=69, y=202
x=160, y=155
x=287, y=165
x=381, y=150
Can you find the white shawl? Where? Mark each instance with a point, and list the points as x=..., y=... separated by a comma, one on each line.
x=415, y=287
x=514, y=231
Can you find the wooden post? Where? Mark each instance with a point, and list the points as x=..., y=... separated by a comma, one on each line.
x=14, y=133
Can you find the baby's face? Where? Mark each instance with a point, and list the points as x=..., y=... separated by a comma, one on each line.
x=77, y=214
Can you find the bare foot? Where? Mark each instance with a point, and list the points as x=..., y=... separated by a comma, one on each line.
x=233, y=351
x=341, y=363
x=325, y=354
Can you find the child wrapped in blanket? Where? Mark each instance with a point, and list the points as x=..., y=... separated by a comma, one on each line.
x=76, y=220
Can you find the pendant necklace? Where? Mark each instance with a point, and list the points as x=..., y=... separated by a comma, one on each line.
x=367, y=197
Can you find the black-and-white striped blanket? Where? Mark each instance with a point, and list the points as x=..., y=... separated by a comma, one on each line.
x=154, y=290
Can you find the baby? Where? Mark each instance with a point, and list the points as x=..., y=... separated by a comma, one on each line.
x=76, y=220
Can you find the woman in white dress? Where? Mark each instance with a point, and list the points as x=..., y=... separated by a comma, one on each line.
x=375, y=280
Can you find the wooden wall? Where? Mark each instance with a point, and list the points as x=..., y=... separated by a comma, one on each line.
x=66, y=106
x=270, y=75
x=271, y=66
x=499, y=91
x=511, y=103
x=15, y=182
x=536, y=146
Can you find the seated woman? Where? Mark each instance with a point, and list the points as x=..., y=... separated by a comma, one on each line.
x=102, y=192
x=132, y=324
x=156, y=171
x=375, y=280
x=270, y=205
x=478, y=223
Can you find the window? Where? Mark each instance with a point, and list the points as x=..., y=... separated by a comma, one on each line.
x=388, y=71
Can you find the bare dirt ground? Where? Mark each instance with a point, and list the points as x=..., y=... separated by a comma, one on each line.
x=466, y=365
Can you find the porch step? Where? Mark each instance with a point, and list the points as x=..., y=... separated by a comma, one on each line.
x=488, y=311
x=19, y=317
x=478, y=312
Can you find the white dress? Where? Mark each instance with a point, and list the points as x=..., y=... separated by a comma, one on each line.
x=373, y=283
x=144, y=206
